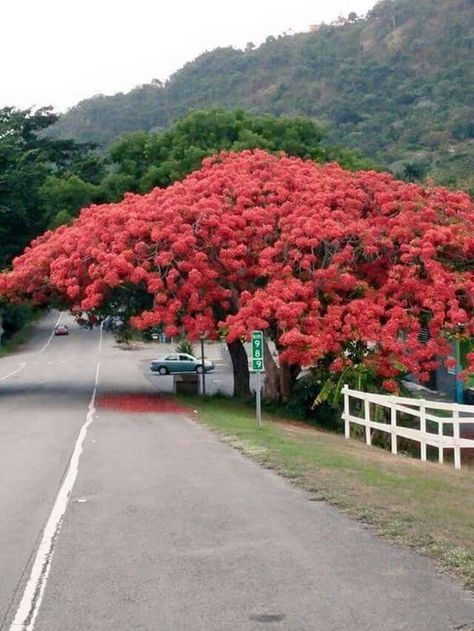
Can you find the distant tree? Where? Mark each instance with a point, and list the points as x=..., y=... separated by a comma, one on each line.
x=413, y=171
x=26, y=160
x=37, y=177
x=90, y=166
x=65, y=196
x=149, y=160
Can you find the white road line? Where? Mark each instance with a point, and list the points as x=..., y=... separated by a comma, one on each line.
x=101, y=335
x=14, y=372
x=51, y=336
x=33, y=595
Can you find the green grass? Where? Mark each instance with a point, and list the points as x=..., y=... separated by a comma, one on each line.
x=426, y=506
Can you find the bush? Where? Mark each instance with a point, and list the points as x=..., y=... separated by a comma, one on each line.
x=305, y=392
x=185, y=346
x=14, y=318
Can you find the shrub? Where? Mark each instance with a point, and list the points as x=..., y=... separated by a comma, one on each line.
x=14, y=318
x=185, y=346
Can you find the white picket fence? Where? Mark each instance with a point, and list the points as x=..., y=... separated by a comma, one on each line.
x=446, y=433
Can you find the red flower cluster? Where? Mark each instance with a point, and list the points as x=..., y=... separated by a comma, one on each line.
x=319, y=257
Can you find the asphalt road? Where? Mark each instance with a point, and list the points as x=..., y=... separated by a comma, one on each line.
x=166, y=528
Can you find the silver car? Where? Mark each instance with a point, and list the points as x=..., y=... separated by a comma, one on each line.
x=180, y=362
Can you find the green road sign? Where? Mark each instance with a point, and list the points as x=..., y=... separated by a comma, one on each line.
x=257, y=351
x=258, y=367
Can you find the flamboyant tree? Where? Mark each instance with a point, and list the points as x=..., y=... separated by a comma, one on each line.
x=329, y=263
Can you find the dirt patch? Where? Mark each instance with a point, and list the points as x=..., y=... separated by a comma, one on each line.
x=138, y=402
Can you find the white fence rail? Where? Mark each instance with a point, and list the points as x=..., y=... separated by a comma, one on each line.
x=443, y=432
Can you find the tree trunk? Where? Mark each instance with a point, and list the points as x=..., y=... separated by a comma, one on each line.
x=288, y=375
x=279, y=380
x=271, y=385
x=240, y=367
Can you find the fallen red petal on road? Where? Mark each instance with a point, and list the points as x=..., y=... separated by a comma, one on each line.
x=136, y=402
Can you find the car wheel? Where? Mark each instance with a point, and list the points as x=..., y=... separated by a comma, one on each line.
x=162, y=370
x=199, y=370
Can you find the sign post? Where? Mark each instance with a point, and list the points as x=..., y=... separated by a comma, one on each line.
x=202, y=337
x=258, y=367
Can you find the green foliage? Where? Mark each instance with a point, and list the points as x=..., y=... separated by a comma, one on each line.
x=23, y=169
x=301, y=404
x=65, y=196
x=13, y=319
x=396, y=85
x=61, y=218
x=318, y=394
x=115, y=185
x=359, y=377
x=43, y=182
x=185, y=346
x=142, y=161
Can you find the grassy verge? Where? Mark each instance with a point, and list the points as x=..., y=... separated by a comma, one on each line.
x=429, y=507
x=21, y=336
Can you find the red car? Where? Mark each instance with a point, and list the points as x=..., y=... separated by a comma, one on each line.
x=61, y=329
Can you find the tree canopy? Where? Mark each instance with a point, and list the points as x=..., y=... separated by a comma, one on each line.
x=345, y=267
x=143, y=160
x=39, y=178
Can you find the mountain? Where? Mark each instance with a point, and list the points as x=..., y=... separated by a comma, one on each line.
x=397, y=85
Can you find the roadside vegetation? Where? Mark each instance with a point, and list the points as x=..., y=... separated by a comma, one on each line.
x=426, y=506
x=17, y=324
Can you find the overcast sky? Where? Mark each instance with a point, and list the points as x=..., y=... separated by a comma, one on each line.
x=57, y=52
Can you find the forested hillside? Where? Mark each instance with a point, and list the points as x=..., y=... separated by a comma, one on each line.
x=396, y=85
